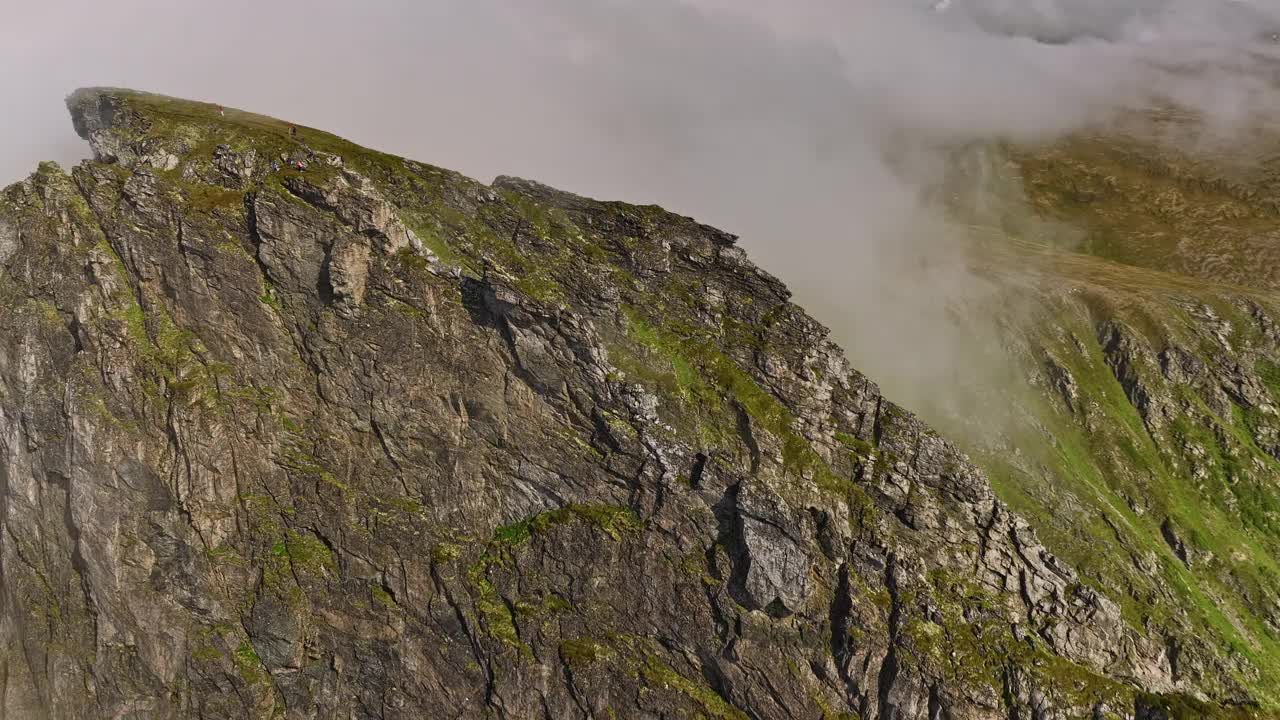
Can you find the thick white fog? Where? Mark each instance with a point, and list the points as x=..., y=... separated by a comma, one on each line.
x=811, y=128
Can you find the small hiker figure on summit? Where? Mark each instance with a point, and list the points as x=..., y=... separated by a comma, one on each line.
x=222, y=111
x=293, y=130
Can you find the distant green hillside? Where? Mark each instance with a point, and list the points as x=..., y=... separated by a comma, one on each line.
x=1145, y=446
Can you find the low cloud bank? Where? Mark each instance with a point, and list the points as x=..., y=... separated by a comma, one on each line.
x=819, y=131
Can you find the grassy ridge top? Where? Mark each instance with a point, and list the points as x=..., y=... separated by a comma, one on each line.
x=1207, y=211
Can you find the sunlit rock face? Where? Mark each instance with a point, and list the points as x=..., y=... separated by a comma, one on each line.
x=293, y=428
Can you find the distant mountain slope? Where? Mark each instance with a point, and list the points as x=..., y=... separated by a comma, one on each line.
x=1210, y=212
x=1143, y=445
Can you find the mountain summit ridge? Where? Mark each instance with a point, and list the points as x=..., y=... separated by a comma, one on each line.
x=294, y=428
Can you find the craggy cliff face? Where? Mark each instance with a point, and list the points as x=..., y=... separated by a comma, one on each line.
x=367, y=439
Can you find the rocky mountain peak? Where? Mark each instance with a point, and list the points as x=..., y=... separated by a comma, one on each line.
x=295, y=428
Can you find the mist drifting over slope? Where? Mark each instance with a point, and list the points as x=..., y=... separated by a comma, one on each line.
x=816, y=130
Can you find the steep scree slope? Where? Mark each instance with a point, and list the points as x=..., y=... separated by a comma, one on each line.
x=373, y=440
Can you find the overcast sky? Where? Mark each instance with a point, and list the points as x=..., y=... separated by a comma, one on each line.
x=808, y=127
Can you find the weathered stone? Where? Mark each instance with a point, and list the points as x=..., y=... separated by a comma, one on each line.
x=260, y=455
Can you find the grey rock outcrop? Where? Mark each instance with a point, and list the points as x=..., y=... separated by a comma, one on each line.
x=266, y=452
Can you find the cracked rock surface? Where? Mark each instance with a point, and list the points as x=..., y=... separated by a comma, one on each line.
x=374, y=440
